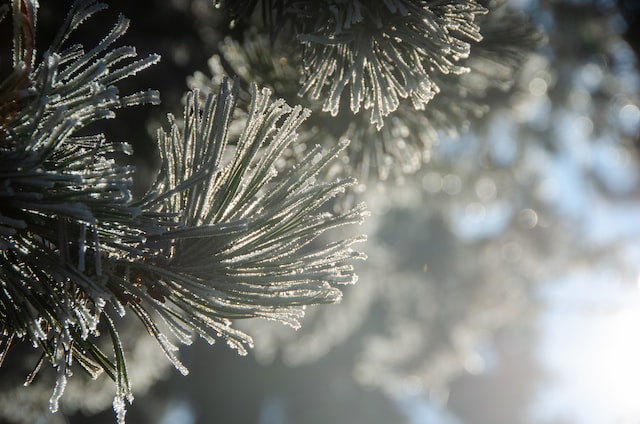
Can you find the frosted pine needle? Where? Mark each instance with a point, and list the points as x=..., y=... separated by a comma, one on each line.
x=214, y=239
x=382, y=52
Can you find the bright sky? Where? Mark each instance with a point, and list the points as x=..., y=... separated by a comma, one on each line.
x=590, y=345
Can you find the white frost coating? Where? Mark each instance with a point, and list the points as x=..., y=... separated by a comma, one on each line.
x=61, y=383
x=38, y=331
x=100, y=302
x=120, y=408
x=120, y=309
x=87, y=321
x=238, y=346
x=170, y=349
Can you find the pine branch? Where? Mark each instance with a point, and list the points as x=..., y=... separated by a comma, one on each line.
x=383, y=52
x=378, y=51
x=212, y=241
x=243, y=246
x=408, y=138
x=64, y=202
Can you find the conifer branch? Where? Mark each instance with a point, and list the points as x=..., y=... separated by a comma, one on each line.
x=408, y=138
x=385, y=51
x=213, y=240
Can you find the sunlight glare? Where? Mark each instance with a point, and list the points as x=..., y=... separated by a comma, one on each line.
x=592, y=354
x=617, y=362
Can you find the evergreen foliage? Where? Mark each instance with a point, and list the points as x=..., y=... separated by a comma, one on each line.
x=246, y=216
x=395, y=78
x=223, y=233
